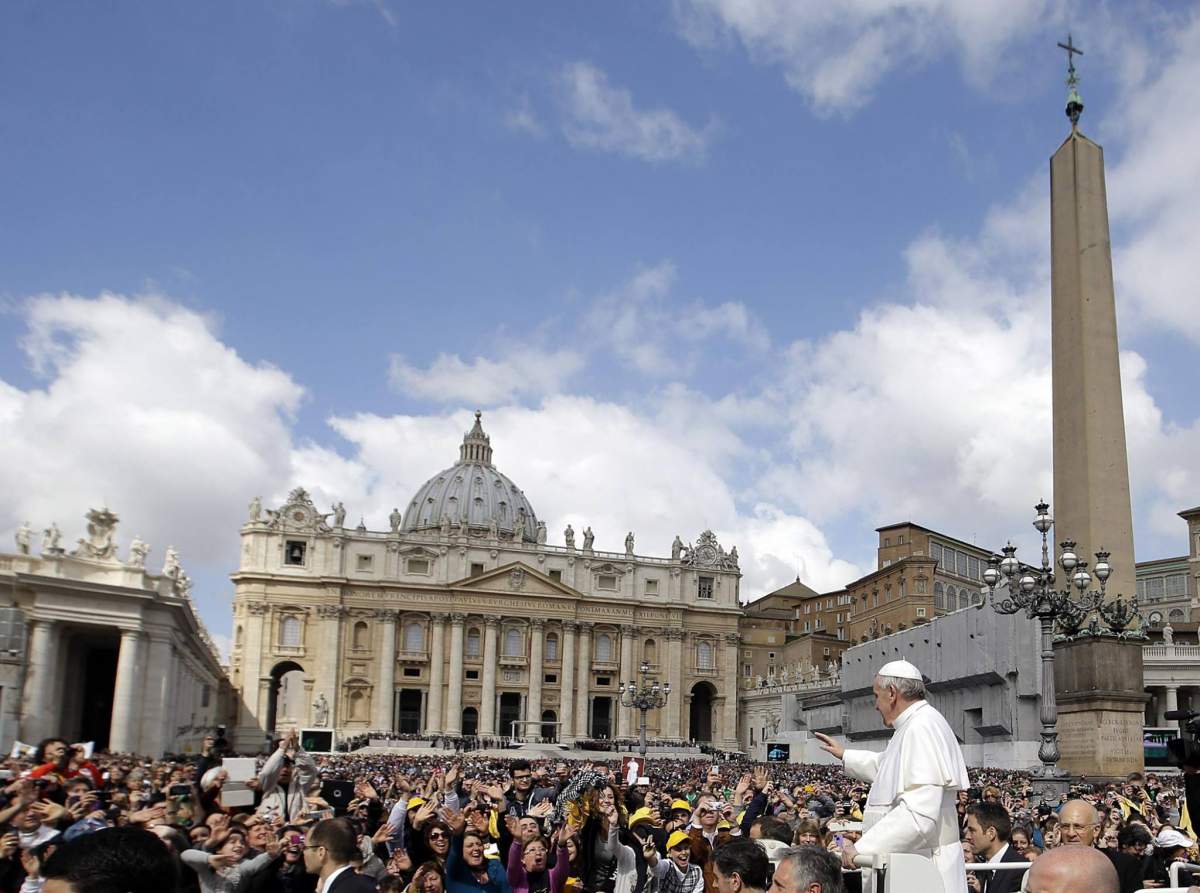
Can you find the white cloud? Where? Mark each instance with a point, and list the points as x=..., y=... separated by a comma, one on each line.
x=601, y=116
x=483, y=381
x=523, y=119
x=145, y=410
x=837, y=54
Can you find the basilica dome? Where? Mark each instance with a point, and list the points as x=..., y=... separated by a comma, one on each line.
x=472, y=493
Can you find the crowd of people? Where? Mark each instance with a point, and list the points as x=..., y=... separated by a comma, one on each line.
x=438, y=823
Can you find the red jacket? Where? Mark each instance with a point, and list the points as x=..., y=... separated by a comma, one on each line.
x=69, y=773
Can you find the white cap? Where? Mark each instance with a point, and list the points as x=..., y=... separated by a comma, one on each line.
x=1169, y=837
x=900, y=669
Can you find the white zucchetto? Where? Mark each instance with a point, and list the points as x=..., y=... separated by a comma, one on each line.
x=900, y=669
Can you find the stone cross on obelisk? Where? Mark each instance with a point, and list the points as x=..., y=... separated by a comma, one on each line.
x=1099, y=681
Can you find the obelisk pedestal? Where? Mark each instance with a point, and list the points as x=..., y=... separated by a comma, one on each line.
x=1098, y=680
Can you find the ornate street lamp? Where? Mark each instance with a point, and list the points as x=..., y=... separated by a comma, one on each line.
x=1031, y=590
x=647, y=696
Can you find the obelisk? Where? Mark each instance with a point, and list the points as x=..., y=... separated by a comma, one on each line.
x=1099, y=680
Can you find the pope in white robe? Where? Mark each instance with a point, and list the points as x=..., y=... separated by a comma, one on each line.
x=911, y=807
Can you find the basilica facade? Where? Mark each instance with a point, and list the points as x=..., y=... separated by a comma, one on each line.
x=461, y=619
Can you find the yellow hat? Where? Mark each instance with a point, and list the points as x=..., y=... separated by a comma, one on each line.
x=415, y=803
x=677, y=838
x=680, y=804
x=640, y=815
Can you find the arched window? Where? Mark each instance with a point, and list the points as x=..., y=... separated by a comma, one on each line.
x=361, y=636
x=358, y=705
x=414, y=636
x=650, y=652
x=1156, y=619
x=551, y=649
x=939, y=597
x=289, y=632
x=512, y=643
x=473, y=643
x=704, y=655
x=237, y=637
x=604, y=647
x=1176, y=616
x=976, y=596
x=963, y=597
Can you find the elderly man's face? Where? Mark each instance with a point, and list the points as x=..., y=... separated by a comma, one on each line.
x=1077, y=823
x=887, y=702
x=785, y=879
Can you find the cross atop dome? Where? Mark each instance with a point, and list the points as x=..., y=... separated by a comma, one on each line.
x=476, y=446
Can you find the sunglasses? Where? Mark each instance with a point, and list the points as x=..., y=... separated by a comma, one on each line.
x=438, y=835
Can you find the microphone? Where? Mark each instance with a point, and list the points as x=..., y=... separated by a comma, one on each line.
x=1180, y=714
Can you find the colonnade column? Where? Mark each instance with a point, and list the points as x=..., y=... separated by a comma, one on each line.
x=674, y=708
x=383, y=717
x=123, y=733
x=729, y=710
x=39, y=718
x=566, y=684
x=437, y=673
x=453, y=724
x=625, y=722
x=583, y=676
x=158, y=728
x=487, y=706
x=1172, y=697
x=533, y=706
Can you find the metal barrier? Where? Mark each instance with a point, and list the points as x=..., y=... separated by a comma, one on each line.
x=1177, y=866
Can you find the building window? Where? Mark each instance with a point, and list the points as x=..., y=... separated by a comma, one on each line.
x=417, y=566
x=704, y=655
x=939, y=597
x=1176, y=616
x=704, y=588
x=887, y=542
x=512, y=643
x=472, y=674
x=604, y=680
x=472, y=643
x=556, y=575
x=746, y=670
x=827, y=652
x=412, y=672
x=920, y=612
x=652, y=587
x=961, y=560
x=1156, y=618
x=1176, y=585
x=551, y=678
x=293, y=552
x=650, y=652
x=604, y=647
x=362, y=636
x=205, y=695
x=973, y=567
x=900, y=540
x=476, y=569
x=935, y=552
x=289, y=632
x=806, y=626
x=237, y=637
x=551, y=647
x=828, y=603
x=920, y=587
x=414, y=637
x=770, y=655
x=365, y=562
x=606, y=581
x=358, y=705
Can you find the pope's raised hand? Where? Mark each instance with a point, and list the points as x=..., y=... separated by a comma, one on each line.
x=830, y=746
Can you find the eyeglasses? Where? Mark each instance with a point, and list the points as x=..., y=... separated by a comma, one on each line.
x=438, y=835
x=1067, y=828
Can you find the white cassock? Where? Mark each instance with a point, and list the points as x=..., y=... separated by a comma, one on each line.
x=912, y=806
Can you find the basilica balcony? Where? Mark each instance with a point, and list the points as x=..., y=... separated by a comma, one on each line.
x=411, y=657
x=512, y=660
x=705, y=670
x=288, y=650
x=605, y=665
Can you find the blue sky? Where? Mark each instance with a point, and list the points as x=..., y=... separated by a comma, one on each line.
x=776, y=270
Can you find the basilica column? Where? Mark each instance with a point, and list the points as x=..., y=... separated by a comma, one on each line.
x=625, y=722
x=674, y=708
x=533, y=704
x=729, y=709
x=1172, y=696
x=437, y=673
x=566, y=684
x=453, y=724
x=487, y=706
x=382, y=718
x=328, y=673
x=127, y=700
x=583, y=677
x=41, y=715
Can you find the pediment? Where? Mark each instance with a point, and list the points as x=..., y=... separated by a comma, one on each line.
x=515, y=577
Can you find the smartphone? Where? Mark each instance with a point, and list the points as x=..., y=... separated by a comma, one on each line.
x=179, y=790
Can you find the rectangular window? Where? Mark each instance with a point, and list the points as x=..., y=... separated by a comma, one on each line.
x=704, y=588
x=887, y=542
x=364, y=562
x=921, y=587
x=746, y=669
x=556, y=575
x=900, y=540
x=606, y=581
x=412, y=672
x=827, y=652
x=961, y=560
x=770, y=655
x=476, y=569
x=1141, y=588
x=205, y=694
x=551, y=678
x=935, y=552
x=418, y=565
x=472, y=674
x=293, y=552
x=920, y=612
x=1176, y=585
x=828, y=603
x=652, y=587
x=604, y=680
x=1155, y=587
x=806, y=626
x=973, y=568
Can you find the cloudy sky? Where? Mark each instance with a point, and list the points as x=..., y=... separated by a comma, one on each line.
x=779, y=269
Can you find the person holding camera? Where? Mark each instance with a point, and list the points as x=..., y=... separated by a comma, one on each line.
x=286, y=779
